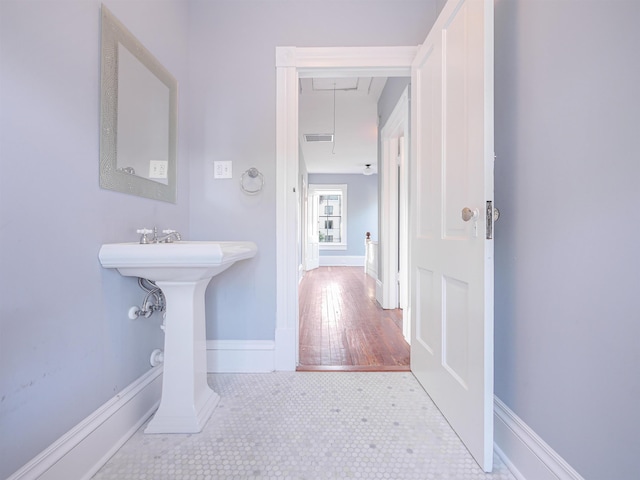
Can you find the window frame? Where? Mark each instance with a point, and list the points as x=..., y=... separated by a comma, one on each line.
x=315, y=191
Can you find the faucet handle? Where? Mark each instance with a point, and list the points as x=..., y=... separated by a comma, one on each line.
x=170, y=235
x=144, y=232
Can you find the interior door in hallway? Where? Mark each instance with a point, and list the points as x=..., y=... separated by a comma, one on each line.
x=451, y=227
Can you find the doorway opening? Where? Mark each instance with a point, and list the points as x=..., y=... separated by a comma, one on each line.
x=353, y=254
x=293, y=63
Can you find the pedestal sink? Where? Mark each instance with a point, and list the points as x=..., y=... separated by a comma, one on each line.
x=182, y=270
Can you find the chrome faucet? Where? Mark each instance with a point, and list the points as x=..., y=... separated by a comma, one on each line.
x=169, y=236
x=143, y=235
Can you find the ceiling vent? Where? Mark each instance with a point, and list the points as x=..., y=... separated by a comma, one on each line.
x=318, y=137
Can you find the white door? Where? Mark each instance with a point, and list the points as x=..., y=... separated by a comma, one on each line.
x=452, y=259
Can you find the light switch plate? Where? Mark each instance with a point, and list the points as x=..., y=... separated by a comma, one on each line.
x=222, y=169
x=158, y=168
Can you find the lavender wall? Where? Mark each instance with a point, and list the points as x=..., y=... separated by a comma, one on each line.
x=66, y=343
x=567, y=271
x=567, y=321
x=66, y=340
x=362, y=209
x=233, y=91
x=389, y=97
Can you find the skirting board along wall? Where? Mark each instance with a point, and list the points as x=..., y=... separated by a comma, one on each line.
x=84, y=449
x=379, y=288
x=524, y=452
x=341, y=260
x=240, y=356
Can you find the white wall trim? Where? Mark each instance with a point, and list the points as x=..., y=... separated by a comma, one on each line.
x=286, y=208
x=347, y=61
x=240, y=356
x=379, y=288
x=395, y=129
x=84, y=449
x=342, y=260
x=524, y=452
x=291, y=64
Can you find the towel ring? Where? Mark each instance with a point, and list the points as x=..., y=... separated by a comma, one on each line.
x=249, y=176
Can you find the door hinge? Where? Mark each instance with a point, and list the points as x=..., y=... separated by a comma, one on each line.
x=493, y=214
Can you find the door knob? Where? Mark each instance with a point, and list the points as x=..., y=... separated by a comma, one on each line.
x=468, y=214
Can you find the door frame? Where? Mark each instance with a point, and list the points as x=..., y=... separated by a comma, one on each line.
x=293, y=63
x=394, y=181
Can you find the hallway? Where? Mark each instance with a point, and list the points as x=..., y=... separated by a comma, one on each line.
x=342, y=327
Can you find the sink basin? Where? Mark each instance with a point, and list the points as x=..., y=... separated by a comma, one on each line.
x=182, y=271
x=175, y=261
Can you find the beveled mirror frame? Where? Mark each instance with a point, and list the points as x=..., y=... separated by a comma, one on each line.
x=113, y=33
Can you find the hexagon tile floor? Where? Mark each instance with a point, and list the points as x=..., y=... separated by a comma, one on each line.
x=308, y=425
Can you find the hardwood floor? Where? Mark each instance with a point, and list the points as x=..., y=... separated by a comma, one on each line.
x=342, y=327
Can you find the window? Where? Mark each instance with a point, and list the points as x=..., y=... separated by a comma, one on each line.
x=330, y=215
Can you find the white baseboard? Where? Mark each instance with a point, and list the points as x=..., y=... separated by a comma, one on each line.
x=84, y=449
x=240, y=356
x=341, y=260
x=524, y=452
x=379, y=288
x=372, y=272
x=286, y=349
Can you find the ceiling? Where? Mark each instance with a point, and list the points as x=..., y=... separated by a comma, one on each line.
x=350, y=113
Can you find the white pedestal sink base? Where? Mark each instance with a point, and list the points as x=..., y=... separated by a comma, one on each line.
x=164, y=422
x=187, y=400
x=182, y=270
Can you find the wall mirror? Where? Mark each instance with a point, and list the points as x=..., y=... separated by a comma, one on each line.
x=139, y=110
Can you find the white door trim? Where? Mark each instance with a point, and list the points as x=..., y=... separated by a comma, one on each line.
x=293, y=63
x=392, y=133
